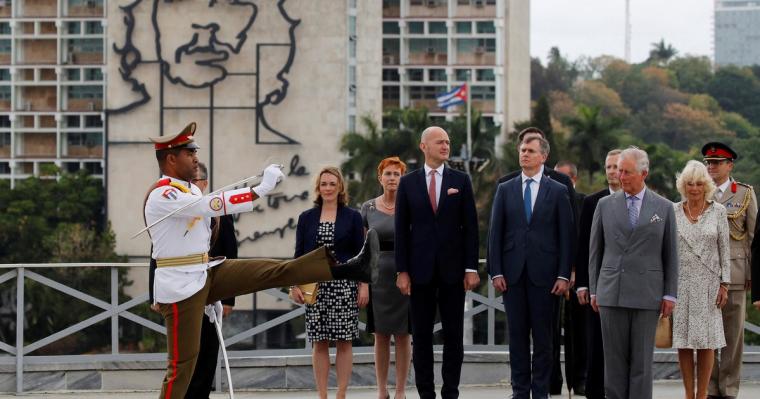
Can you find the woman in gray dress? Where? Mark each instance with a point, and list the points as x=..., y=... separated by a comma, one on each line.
x=388, y=313
x=704, y=273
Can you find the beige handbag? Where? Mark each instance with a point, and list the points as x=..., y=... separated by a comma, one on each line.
x=309, y=292
x=663, y=338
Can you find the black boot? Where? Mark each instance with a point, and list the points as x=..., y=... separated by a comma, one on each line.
x=359, y=268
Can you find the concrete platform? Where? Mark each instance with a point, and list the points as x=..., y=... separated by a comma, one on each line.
x=663, y=390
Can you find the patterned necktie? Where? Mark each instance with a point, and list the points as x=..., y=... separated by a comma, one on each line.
x=633, y=212
x=527, y=197
x=432, y=190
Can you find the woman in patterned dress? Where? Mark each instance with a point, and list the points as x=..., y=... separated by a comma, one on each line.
x=335, y=315
x=388, y=313
x=703, y=277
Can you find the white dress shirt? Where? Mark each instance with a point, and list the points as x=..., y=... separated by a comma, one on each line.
x=722, y=189
x=533, y=186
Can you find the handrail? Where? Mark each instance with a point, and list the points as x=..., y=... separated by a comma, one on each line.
x=114, y=310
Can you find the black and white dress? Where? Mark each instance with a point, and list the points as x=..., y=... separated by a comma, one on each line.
x=335, y=315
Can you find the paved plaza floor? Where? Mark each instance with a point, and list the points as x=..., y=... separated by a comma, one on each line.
x=663, y=390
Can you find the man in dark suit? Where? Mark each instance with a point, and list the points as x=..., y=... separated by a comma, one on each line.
x=223, y=243
x=556, y=378
x=530, y=247
x=594, y=349
x=436, y=258
x=570, y=326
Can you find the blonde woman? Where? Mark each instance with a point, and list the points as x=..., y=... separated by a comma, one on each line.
x=703, y=277
x=335, y=315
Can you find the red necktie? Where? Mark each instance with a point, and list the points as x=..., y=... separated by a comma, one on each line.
x=432, y=190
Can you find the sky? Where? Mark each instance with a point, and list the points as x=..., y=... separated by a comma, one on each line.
x=597, y=27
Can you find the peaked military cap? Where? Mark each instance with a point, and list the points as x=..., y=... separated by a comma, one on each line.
x=183, y=139
x=716, y=151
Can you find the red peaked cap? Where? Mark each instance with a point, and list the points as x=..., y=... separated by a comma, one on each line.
x=715, y=151
x=184, y=139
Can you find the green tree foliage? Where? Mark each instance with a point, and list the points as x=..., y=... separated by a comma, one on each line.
x=737, y=90
x=593, y=135
x=44, y=220
x=595, y=93
x=692, y=73
x=661, y=53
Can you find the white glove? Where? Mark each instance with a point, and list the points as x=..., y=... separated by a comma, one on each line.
x=214, y=312
x=272, y=175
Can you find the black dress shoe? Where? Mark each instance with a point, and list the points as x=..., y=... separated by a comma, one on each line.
x=359, y=268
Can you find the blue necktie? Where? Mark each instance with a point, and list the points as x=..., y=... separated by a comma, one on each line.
x=633, y=212
x=527, y=200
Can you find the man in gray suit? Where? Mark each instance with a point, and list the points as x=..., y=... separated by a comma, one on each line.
x=633, y=274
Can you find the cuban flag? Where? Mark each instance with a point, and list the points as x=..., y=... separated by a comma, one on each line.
x=456, y=96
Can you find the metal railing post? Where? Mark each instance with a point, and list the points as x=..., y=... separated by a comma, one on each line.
x=491, y=317
x=114, y=305
x=20, y=330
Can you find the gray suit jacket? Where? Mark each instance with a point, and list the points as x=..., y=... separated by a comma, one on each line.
x=633, y=268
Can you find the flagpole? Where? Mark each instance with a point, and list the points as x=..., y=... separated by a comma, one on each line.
x=469, y=124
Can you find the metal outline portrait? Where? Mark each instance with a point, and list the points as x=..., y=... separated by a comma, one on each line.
x=130, y=58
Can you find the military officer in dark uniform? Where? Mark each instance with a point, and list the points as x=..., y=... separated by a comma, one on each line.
x=741, y=206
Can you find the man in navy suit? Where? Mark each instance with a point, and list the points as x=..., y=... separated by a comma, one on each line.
x=529, y=259
x=436, y=258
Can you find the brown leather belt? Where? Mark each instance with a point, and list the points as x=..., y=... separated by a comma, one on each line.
x=182, y=260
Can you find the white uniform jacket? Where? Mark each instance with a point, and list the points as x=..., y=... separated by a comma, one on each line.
x=188, y=232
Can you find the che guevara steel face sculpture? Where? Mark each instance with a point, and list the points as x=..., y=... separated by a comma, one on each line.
x=206, y=46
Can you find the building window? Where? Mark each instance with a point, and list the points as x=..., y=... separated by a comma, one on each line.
x=86, y=45
x=72, y=121
x=5, y=121
x=463, y=27
x=93, y=121
x=5, y=46
x=84, y=139
x=415, y=75
x=476, y=45
x=391, y=75
x=391, y=93
x=72, y=74
x=461, y=75
x=73, y=28
x=485, y=75
x=5, y=93
x=437, y=75
x=485, y=27
x=483, y=92
x=93, y=74
x=5, y=75
x=93, y=168
x=5, y=28
x=86, y=3
x=427, y=46
x=5, y=168
x=437, y=27
x=93, y=27
x=416, y=27
x=424, y=92
x=85, y=92
x=5, y=140
x=391, y=28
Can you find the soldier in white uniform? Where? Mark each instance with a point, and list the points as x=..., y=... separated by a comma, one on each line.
x=187, y=280
x=741, y=206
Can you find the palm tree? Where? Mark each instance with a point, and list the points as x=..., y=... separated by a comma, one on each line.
x=661, y=53
x=592, y=137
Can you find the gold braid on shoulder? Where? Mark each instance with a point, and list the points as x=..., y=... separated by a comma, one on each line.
x=735, y=218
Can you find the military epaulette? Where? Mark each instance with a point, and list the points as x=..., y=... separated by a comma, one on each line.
x=169, y=182
x=743, y=184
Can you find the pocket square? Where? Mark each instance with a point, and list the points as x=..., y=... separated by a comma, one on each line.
x=452, y=191
x=656, y=218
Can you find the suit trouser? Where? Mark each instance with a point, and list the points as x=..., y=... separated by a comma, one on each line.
x=594, y=355
x=727, y=368
x=570, y=332
x=449, y=299
x=529, y=314
x=233, y=277
x=205, y=367
x=628, y=351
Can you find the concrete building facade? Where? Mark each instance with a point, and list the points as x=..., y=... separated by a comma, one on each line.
x=433, y=46
x=737, y=32
x=51, y=87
